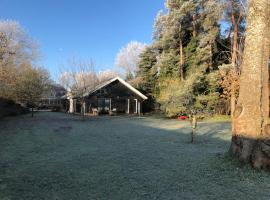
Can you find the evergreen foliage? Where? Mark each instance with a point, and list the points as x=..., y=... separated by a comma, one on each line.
x=180, y=70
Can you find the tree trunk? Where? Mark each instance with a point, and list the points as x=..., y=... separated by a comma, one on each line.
x=194, y=30
x=233, y=98
x=234, y=60
x=83, y=109
x=32, y=112
x=235, y=75
x=235, y=40
x=251, y=132
x=194, y=126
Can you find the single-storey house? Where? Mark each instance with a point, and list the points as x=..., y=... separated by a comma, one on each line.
x=113, y=96
x=53, y=98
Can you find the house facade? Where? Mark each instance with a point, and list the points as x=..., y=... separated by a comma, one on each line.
x=113, y=96
x=53, y=98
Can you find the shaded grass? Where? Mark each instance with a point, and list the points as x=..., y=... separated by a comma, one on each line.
x=57, y=156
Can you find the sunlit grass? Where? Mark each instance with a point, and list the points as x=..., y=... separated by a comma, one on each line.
x=217, y=118
x=58, y=156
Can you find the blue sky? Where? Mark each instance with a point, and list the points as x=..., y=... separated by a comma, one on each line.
x=86, y=29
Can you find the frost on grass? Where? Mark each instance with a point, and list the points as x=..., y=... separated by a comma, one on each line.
x=58, y=156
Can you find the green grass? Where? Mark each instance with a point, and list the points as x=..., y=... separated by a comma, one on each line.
x=57, y=156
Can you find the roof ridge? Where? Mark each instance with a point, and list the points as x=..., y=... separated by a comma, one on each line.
x=100, y=86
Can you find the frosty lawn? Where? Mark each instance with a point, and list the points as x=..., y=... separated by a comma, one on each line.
x=57, y=156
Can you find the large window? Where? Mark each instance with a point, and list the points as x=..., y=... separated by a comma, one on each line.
x=104, y=105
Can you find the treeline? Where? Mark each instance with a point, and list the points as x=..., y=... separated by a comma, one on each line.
x=20, y=79
x=194, y=58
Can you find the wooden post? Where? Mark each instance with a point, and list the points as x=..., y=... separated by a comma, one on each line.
x=136, y=106
x=71, y=106
x=128, y=106
x=74, y=106
x=84, y=107
x=110, y=104
x=194, y=126
x=110, y=108
x=139, y=108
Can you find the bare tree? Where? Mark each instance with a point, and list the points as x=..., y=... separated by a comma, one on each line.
x=20, y=81
x=17, y=51
x=79, y=78
x=106, y=75
x=16, y=45
x=65, y=79
x=128, y=58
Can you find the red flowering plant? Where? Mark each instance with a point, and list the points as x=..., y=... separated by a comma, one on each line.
x=183, y=117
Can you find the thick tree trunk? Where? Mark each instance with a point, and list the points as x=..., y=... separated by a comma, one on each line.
x=234, y=88
x=251, y=133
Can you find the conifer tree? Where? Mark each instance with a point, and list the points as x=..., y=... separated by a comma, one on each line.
x=186, y=54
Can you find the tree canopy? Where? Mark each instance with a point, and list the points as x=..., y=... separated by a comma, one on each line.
x=21, y=80
x=181, y=69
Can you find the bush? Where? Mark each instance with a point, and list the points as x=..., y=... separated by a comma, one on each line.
x=10, y=108
x=175, y=97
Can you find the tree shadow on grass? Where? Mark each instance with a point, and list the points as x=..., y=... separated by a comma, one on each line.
x=121, y=158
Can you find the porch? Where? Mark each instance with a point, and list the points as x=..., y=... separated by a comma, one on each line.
x=113, y=97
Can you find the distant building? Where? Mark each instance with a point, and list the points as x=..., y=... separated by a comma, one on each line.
x=113, y=96
x=53, y=98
